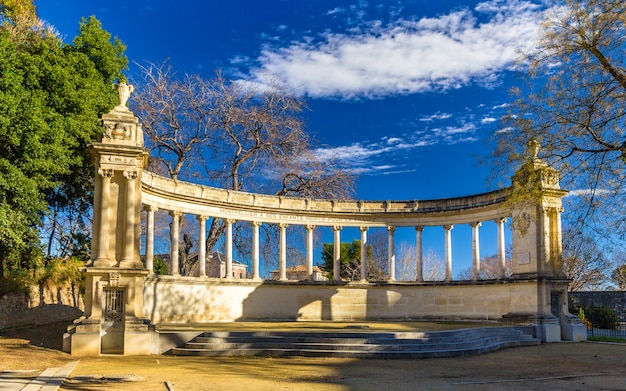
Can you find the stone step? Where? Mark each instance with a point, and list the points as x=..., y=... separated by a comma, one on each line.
x=356, y=344
x=350, y=338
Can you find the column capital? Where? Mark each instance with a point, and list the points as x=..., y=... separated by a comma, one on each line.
x=448, y=227
x=337, y=227
x=150, y=208
x=419, y=228
x=202, y=218
x=230, y=221
x=283, y=225
x=310, y=227
x=500, y=220
x=364, y=228
x=391, y=228
x=131, y=175
x=256, y=223
x=105, y=172
x=176, y=213
x=475, y=224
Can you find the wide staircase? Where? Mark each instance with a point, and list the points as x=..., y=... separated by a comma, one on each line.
x=358, y=344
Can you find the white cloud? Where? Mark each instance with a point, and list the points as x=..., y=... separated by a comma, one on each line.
x=394, y=140
x=406, y=56
x=437, y=116
x=335, y=10
x=488, y=120
x=587, y=192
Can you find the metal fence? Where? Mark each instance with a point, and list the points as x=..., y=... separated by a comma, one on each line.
x=618, y=332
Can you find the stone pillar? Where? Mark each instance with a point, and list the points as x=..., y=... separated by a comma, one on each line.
x=364, y=257
x=475, y=250
x=501, y=248
x=391, y=253
x=448, y=251
x=282, y=258
x=103, y=258
x=202, y=245
x=337, y=253
x=419, y=262
x=255, y=249
x=229, y=248
x=174, y=242
x=130, y=223
x=150, y=238
x=113, y=317
x=309, y=251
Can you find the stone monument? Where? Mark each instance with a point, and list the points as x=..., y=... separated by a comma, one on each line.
x=113, y=321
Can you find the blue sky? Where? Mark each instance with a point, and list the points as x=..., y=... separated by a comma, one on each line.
x=406, y=93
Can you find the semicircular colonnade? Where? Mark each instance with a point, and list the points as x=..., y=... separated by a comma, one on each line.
x=178, y=197
x=124, y=299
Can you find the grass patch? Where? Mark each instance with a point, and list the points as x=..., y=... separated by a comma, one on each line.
x=606, y=339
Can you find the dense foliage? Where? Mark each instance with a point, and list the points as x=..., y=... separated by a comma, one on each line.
x=51, y=96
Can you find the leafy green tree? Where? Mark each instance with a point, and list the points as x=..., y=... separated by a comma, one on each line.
x=51, y=97
x=349, y=261
x=575, y=106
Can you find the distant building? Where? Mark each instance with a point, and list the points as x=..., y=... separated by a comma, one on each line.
x=216, y=266
x=299, y=273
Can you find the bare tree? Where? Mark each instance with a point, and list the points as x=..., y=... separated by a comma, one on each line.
x=575, y=107
x=405, y=262
x=433, y=268
x=489, y=269
x=377, y=261
x=583, y=262
x=233, y=135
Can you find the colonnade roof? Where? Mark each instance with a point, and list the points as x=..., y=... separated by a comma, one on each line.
x=174, y=195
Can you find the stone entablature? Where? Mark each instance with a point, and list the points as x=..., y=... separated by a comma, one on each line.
x=185, y=197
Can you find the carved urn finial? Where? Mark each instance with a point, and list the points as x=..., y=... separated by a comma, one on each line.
x=124, y=90
x=533, y=148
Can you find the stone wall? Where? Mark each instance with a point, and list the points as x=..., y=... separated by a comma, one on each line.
x=183, y=299
x=40, y=305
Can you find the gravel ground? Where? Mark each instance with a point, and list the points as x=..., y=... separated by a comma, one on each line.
x=557, y=366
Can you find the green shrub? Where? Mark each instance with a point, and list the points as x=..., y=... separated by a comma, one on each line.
x=602, y=317
x=160, y=267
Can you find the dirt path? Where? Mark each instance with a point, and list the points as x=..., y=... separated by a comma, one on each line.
x=560, y=366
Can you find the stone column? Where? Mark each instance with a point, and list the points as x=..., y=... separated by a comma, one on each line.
x=558, y=242
x=501, y=248
x=419, y=263
x=364, y=257
x=337, y=253
x=150, y=237
x=104, y=230
x=475, y=250
x=128, y=255
x=202, y=245
x=229, y=248
x=448, y=252
x=255, y=249
x=309, y=251
x=282, y=259
x=175, y=241
x=391, y=253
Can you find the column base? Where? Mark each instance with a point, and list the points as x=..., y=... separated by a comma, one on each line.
x=131, y=264
x=106, y=263
x=84, y=338
x=573, y=329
